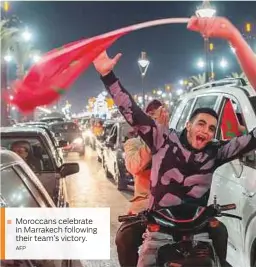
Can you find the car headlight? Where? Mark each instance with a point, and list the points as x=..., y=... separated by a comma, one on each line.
x=78, y=141
x=87, y=133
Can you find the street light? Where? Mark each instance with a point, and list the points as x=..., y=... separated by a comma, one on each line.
x=200, y=63
x=36, y=58
x=223, y=63
x=159, y=92
x=8, y=58
x=179, y=92
x=26, y=35
x=143, y=63
x=206, y=11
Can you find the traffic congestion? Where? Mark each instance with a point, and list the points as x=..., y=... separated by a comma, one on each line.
x=175, y=167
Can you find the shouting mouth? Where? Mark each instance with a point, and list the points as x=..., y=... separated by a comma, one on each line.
x=200, y=140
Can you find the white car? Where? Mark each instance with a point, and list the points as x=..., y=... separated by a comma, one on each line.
x=20, y=187
x=234, y=182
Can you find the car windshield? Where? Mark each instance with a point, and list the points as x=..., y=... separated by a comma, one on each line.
x=31, y=150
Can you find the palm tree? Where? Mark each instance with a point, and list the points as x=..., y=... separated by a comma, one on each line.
x=22, y=53
x=198, y=80
x=7, y=38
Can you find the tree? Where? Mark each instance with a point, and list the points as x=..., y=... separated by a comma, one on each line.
x=241, y=75
x=198, y=80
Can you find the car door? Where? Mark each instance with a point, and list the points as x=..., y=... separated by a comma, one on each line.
x=235, y=182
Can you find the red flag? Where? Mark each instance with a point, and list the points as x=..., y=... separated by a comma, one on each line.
x=229, y=122
x=59, y=68
x=56, y=71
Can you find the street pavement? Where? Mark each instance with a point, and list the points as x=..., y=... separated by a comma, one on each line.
x=90, y=188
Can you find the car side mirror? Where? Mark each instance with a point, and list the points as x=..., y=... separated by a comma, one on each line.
x=68, y=169
x=62, y=143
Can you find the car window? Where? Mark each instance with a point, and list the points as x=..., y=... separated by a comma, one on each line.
x=184, y=116
x=208, y=101
x=14, y=191
x=65, y=127
x=32, y=150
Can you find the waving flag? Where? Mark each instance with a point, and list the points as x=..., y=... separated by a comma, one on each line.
x=58, y=69
x=229, y=122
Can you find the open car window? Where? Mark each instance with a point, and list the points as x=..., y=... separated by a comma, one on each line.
x=32, y=151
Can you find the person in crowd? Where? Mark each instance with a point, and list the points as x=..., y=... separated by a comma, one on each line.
x=23, y=149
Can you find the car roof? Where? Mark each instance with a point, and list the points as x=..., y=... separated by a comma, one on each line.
x=31, y=123
x=52, y=118
x=228, y=85
x=62, y=123
x=27, y=130
x=8, y=157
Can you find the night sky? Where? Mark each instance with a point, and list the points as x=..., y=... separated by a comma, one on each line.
x=172, y=49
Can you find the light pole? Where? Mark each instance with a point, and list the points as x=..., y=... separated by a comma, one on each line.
x=206, y=11
x=143, y=63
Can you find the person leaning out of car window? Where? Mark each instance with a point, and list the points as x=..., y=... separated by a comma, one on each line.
x=24, y=150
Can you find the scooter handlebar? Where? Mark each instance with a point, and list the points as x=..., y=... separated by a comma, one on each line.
x=129, y=217
x=228, y=207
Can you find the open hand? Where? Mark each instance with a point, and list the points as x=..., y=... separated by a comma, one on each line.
x=162, y=115
x=104, y=64
x=213, y=27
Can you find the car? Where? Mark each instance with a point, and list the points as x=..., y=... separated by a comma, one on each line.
x=49, y=119
x=43, y=158
x=234, y=182
x=20, y=188
x=113, y=155
x=56, y=138
x=72, y=134
x=99, y=142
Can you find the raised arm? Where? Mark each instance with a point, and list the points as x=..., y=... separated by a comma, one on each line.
x=137, y=155
x=149, y=131
x=222, y=28
x=236, y=147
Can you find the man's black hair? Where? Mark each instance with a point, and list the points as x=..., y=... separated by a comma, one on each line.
x=204, y=110
x=154, y=104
